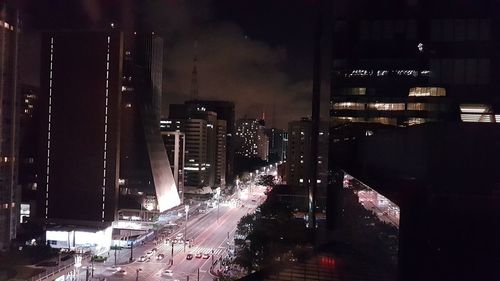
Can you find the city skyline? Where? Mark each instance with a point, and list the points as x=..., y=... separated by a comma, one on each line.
x=274, y=68
x=262, y=140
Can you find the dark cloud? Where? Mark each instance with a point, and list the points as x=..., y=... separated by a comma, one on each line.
x=231, y=66
x=250, y=65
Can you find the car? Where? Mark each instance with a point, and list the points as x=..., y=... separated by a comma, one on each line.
x=198, y=256
x=160, y=256
x=149, y=253
x=206, y=256
x=167, y=272
x=121, y=272
x=113, y=268
x=189, y=256
x=154, y=250
x=143, y=258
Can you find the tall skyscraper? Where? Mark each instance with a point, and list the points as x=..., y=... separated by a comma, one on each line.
x=145, y=165
x=195, y=170
x=208, y=147
x=80, y=126
x=299, y=155
x=9, y=128
x=28, y=153
x=221, y=160
x=225, y=111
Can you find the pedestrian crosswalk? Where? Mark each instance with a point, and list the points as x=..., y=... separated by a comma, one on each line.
x=198, y=249
x=204, y=250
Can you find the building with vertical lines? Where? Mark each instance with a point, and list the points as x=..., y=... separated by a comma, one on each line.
x=81, y=79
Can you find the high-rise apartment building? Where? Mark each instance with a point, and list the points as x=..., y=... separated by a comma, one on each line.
x=206, y=149
x=9, y=128
x=225, y=111
x=195, y=169
x=79, y=105
x=251, y=141
x=299, y=153
x=196, y=157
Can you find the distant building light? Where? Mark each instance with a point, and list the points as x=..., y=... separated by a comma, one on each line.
x=301, y=180
x=420, y=47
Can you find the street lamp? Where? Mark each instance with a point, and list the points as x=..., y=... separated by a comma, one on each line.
x=186, y=207
x=218, y=202
x=172, y=259
x=137, y=274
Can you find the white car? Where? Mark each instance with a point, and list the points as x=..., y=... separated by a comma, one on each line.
x=149, y=253
x=113, y=268
x=121, y=272
x=167, y=272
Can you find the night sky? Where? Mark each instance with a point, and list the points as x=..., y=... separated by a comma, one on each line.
x=254, y=52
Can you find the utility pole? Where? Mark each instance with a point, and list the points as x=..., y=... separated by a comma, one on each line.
x=198, y=274
x=137, y=274
x=172, y=259
x=131, y=251
x=185, y=226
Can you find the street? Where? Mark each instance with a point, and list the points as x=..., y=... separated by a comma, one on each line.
x=210, y=236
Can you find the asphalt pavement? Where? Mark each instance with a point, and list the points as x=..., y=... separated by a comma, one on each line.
x=209, y=231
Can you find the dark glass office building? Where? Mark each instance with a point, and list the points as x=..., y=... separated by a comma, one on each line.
x=404, y=63
x=79, y=105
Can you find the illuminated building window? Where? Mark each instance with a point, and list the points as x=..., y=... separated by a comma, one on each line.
x=427, y=92
x=348, y=105
x=386, y=106
x=351, y=91
x=422, y=106
x=383, y=120
x=476, y=113
x=416, y=121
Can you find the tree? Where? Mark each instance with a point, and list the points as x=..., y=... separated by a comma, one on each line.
x=266, y=180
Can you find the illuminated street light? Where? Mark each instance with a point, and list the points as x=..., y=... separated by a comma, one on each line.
x=186, y=207
x=218, y=202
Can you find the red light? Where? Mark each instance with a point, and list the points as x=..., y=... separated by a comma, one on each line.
x=327, y=262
